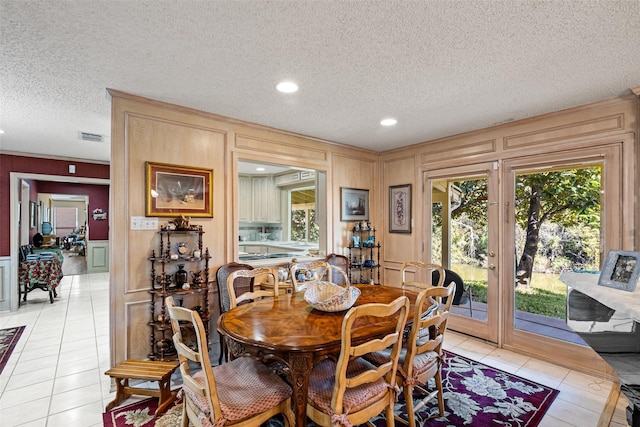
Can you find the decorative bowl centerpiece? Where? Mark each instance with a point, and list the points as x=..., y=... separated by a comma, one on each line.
x=327, y=296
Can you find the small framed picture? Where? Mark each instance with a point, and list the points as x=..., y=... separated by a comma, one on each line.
x=400, y=209
x=354, y=204
x=173, y=190
x=621, y=270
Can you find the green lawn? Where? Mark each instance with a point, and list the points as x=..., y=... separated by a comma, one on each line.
x=547, y=295
x=537, y=300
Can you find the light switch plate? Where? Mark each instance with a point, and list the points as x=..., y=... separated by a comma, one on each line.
x=144, y=223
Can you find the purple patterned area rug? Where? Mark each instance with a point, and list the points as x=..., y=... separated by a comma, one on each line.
x=478, y=395
x=474, y=395
x=139, y=414
x=143, y=414
x=8, y=339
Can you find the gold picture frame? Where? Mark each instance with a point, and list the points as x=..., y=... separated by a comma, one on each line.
x=173, y=190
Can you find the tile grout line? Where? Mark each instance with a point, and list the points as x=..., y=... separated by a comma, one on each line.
x=64, y=328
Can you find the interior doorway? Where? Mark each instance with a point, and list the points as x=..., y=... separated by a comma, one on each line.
x=15, y=188
x=23, y=216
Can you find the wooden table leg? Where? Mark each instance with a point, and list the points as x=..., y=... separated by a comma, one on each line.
x=300, y=365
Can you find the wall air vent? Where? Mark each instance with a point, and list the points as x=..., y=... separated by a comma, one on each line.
x=91, y=137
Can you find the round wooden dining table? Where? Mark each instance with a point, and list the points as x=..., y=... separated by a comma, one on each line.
x=287, y=329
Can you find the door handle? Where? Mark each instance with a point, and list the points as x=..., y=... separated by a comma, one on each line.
x=492, y=266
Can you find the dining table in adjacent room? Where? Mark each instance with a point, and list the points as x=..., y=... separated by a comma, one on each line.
x=287, y=329
x=41, y=273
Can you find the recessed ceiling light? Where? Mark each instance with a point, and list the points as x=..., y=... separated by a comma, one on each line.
x=260, y=169
x=388, y=122
x=1, y=131
x=287, y=87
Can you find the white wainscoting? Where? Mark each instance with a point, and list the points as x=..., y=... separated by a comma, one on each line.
x=97, y=256
x=5, y=283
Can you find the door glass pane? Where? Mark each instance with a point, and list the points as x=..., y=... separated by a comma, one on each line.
x=557, y=229
x=459, y=239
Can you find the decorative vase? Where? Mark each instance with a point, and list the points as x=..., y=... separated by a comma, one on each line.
x=181, y=276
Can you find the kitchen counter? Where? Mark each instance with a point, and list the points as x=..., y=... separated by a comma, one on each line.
x=280, y=243
x=252, y=250
x=279, y=261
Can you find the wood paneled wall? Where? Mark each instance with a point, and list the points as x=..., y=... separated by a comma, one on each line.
x=146, y=130
x=607, y=122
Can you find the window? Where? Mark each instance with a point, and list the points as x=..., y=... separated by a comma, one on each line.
x=303, y=224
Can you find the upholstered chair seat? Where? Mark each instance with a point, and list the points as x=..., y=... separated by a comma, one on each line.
x=322, y=382
x=245, y=388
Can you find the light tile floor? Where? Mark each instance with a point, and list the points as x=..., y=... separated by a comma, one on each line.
x=55, y=375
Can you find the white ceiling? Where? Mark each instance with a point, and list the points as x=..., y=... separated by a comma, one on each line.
x=439, y=67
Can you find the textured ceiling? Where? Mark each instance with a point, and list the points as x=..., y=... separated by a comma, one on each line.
x=439, y=67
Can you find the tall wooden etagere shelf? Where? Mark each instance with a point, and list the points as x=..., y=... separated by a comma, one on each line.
x=169, y=277
x=364, y=254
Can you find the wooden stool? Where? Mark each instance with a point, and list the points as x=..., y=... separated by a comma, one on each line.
x=147, y=370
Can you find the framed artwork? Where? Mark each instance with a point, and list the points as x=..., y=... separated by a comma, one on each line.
x=33, y=209
x=354, y=204
x=621, y=270
x=178, y=190
x=400, y=209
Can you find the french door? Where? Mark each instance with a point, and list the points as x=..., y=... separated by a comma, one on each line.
x=462, y=213
x=562, y=211
x=474, y=215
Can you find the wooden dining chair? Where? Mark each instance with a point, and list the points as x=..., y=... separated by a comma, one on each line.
x=317, y=268
x=422, y=355
x=240, y=285
x=240, y=392
x=339, y=261
x=351, y=391
x=263, y=273
x=416, y=266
